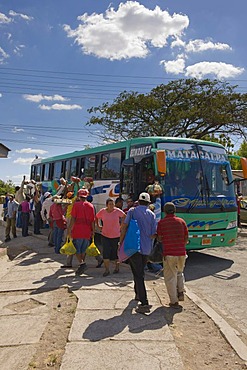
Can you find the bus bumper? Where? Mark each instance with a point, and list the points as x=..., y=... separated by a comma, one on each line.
x=222, y=238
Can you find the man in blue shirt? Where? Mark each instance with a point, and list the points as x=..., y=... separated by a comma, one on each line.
x=147, y=225
x=11, y=218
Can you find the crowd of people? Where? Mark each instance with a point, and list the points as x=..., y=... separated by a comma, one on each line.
x=70, y=214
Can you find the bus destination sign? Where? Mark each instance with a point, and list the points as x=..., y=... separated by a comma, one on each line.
x=139, y=151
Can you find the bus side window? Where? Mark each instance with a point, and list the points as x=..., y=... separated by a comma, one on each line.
x=89, y=166
x=67, y=170
x=33, y=171
x=111, y=165
x=74, y=168
x=46, y=172
x=38, y=173
x=57, y=170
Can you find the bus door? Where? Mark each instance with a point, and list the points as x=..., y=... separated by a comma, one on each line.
x=137, y=175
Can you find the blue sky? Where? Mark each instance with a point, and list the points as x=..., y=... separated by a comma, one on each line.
x=59, y=58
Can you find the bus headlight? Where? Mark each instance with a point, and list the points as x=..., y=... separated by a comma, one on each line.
x=232, y=225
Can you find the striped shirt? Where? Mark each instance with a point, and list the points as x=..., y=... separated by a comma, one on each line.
x=173, y=232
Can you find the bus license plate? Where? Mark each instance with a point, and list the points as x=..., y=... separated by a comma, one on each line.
x=206, y=241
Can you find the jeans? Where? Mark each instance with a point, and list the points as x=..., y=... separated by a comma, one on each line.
x=25, y=222
x=19, y=219
x=137, y=263
x=57, y=237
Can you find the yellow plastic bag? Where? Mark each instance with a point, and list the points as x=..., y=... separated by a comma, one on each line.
x=68, y=248
x=92, y=250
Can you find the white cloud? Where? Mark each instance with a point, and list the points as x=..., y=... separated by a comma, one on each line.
x=60, y=107
x=218, y=69
x=196, y=46
x=1, y=95
x=30, y=150
x=17, y=179
x=4, y=18
x=174, y=66
x=126, y=32
x=38, y=98
x=16, y=129
x=178, y=43
x=23, y=161
x=3, y=55
x=18, y=50
x=23, y=16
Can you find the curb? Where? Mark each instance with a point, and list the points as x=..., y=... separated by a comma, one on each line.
x=227, y=331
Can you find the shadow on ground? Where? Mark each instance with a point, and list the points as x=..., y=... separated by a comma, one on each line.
x=199, y=265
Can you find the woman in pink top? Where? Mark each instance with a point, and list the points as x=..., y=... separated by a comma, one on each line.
x=25, y=214
x=109, y=220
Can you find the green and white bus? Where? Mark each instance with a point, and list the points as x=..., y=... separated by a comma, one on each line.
x=195, y=175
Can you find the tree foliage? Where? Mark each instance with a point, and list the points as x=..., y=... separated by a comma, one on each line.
x=242, y=152
x=6, y=187
x=222, y=139
x=183, y=108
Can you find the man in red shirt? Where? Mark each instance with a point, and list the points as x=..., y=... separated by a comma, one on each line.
x=81, y=227
x=172, y=231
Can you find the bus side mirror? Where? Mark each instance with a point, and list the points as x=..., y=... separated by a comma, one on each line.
x=161, y=161
x=243, y=162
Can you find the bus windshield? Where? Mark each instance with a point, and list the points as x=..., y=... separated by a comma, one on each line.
x=198, y=176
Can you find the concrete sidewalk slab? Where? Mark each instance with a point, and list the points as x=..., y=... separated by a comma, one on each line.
x=127, y=325
x=27, y=274
x=89, y=282
x=17, y=357
x=43, y=284
x=21, y=329
x=104, y=314
x=23, y=303
x=112, y=355
x=109, y=299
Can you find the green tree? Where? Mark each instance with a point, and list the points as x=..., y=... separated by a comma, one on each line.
x=242, y=152
x=222, y=139
x=183, y=108
x=6, y=187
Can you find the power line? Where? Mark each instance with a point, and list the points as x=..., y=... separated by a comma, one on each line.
x=47, y=128
x=62, y=145
x=72, y=79
x=84, y=74
x=103, y=75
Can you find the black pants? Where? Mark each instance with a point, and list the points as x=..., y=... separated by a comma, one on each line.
x=25, y=221
x=37, y=223
x=137, y=263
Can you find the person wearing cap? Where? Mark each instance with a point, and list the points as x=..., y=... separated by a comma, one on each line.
x=172, y=231
x=11, y=218
x=98, y=258
x=108, y=220
x=81, y=227
x=147, y=225
x=69, y=195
